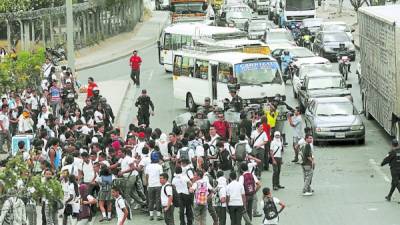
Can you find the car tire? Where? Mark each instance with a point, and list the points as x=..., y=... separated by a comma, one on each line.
x=361, y=141
x=191, y=105
x=366, y=113
x=270, y=18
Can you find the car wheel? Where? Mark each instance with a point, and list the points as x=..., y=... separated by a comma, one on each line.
x=365, y=104
x=361, y=141
x=191, y=105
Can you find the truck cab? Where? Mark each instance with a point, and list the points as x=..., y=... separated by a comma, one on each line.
x=296, y=10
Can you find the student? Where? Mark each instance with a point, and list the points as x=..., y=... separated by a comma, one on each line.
x=182, y=182
x=269, y=204
x=120, y=207
x=235, y=199
x=167, y=199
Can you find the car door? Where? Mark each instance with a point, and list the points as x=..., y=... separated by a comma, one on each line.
x=310, y=114
x=302, y=93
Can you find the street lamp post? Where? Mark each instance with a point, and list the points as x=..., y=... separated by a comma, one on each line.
x=70, y=35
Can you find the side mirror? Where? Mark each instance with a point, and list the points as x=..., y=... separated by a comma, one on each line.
x=303, y=88
x=159, y=44
x=349, y=85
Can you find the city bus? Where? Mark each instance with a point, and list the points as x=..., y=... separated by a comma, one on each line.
x=184, y=10
x=247, y=45
x=177, y=35
x=206, y=73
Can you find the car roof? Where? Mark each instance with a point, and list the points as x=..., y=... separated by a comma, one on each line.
x=324, y=74
x=334, y=23
x=277, y=30
x=332, y=32
x=313, y=19
x=331, y=100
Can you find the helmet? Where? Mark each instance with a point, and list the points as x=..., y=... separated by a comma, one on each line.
x=286, y=52
x=154, y=156
x=298, y=25
x=96, y=91
x=103, y=100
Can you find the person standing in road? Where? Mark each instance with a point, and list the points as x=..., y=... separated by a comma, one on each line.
x=269, y=204
x=167, y=199
x=91, y=85
x=144, y=103
x=236, y=199
x=135, y=61
x=182, y=184
x=276, y=148
x=251, y=185
x=295, y=121
x=308, y=165
x=120, y=207
x=393, y=159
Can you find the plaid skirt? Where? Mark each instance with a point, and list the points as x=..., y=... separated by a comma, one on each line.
x=104, y=196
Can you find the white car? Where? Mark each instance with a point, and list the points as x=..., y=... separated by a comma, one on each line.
x=308, y=69
x=337, y=26
x=278, y=35
x=300, y=56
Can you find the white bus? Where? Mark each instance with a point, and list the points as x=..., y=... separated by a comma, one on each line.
x=183, y=34
x=247, y=45
x=197, y=75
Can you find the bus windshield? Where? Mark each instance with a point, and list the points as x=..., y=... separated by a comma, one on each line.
x=299, y=5
x=187, y=8
x=256, y=73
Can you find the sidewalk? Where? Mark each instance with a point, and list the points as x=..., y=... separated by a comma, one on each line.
x=348, y=16
x=144, y=35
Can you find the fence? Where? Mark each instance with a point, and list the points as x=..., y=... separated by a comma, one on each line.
x=93, y=21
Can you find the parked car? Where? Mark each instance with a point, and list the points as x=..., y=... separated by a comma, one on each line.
x=334, y=119
x=278, y=35
x=313, y=24
x=327, y=45
x=323, y=85
x=235, y=16
x=300, y=56
x=338, y=26
x=256, y=27
x=306, y=70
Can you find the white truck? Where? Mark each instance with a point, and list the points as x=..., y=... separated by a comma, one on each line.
x=379, y=28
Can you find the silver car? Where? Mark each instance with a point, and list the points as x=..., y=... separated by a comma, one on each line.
x=334, y=119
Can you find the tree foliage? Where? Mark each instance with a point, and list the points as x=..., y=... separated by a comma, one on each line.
x=21, y=70
x=16, y=175
x=26, y=5
x=357, y=4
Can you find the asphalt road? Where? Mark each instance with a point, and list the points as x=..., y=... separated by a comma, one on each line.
x=349, y=183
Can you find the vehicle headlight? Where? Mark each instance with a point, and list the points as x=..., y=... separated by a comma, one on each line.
x=357, y=127
x=321, y=129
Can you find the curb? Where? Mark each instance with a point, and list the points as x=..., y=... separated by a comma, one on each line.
x=116, y=121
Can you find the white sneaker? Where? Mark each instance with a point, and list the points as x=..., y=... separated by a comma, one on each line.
x=307, y=194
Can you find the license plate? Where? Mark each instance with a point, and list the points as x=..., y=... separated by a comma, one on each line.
x=340, y=135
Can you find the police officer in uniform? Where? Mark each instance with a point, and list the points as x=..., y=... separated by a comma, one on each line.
x=88, y=110
x=236, y=102
x=95, y=99
x=207, y=106
x=393, y=159
x=144, y=103
x=108, y=113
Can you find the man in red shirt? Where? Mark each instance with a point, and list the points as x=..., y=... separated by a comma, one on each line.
x=91, y=85
x=135, y=62
x=222, y=127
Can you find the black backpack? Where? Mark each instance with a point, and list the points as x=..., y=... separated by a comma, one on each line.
x=270, y=210
x=176, y=200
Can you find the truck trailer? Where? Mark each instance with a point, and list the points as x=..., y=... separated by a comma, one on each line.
x=379, y=28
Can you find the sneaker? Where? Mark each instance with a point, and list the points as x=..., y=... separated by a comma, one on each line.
x=295, y=160
x=257, y=214
x=307, y=194
x=109, y=219
x=151, y=218
x=281, y=187
x=102, y=219
x=276, y=188
x=387, y=198
x=159, y=218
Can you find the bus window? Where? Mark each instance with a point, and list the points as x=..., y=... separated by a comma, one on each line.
x=176, y=41
x=177, y=65
x=186, y=40
x=167, y=41
x=187, y=66
x=225, y=72
x=201, y=70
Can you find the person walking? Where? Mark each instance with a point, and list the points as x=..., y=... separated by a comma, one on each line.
x=201, y=189
x=135, y=61
x=120, y=207
x=152, y=177
x=295, y=121
x=259, y=139
x=393, y=159
x=235, y=199
x=276, y=148
x=167, y=199
x=251, y=185
x=91, y=85
x=220, y=197
x=269, y=204
x=308, y=165
x=144, y=104
x=182, y=182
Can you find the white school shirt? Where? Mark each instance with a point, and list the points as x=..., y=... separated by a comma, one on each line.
x=275, y=220
x=180, y=181
x=166, y=188
x=235, y=190
x=153, y=171
x=119, y=206
x=263, y=138
x=125, y=164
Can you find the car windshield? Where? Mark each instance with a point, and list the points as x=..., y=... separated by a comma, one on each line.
x=258, y=26
x=304, y=71
x=337, y=27
x=312, y=23
x=279, y=36
x=187, y=8
x=238, y=14
x=297, y=5
x=336, y=37
x=325, y=82
x=334, y=109
x=301, y=53
x=257, y=73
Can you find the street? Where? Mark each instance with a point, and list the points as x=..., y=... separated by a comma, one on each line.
x=349, y=183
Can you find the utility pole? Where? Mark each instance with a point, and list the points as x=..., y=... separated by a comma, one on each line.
x=70, y=36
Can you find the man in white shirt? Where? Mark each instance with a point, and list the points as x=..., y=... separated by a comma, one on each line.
x=86, y=171
x=182, y=182
x=251, y=185
x=166, y=197
x=269, y=204
x=5, y=135
x=235, y=199
x=220, y=198
x=120, y=207
x=260, y=139
x=185, y=153
x=296, y=122
x=46, y=68
x=152, y=176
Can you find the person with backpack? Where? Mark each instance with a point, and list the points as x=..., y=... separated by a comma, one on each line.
x=251, y=185
x=242, y=148
x=185, y=153
x=121, y=208
x=182, y=182
x=259, y=139
x=276, y=150
x=235, y=199
x=269, y=204
x=201, y=189
x=225, y=159
x=152, y=173
x=86, y=201
x=167, y=198
x=220, y=197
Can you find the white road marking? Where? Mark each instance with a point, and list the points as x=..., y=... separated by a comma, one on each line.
x=372, y=209
x=151, y=75
x=377, y=168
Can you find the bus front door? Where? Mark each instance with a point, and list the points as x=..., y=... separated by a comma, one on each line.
x=214, y=74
